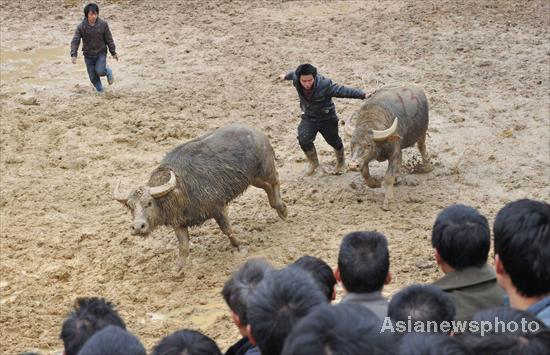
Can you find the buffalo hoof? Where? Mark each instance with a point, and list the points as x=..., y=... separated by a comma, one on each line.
x=339, y=171
x=374, y=183
x=425, y=168
x=241, y=249
x=283, y=212
x=180, y=267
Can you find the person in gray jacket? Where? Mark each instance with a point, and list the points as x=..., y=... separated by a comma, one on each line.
x=363, y=270
x=319, y=114
x=96, y=37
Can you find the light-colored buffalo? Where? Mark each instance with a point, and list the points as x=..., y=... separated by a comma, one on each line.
x=196, y=180
x=393, y=118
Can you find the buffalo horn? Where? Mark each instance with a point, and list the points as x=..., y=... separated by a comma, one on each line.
x=118, y=195
x=385, y=134
x=159, y=191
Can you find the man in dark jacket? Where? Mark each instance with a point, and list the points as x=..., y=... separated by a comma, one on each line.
x=319, y=114
x=461, y=240
x=96, y=36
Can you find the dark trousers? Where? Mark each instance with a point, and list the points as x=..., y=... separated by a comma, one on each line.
x=96, y=68
x=307, y=131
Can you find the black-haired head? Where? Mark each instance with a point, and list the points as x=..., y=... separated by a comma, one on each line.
x=91, y=7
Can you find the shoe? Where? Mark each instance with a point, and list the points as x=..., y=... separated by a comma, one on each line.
x=340, y=161
x=98, y=86
x=313, y=160
x=110, y=77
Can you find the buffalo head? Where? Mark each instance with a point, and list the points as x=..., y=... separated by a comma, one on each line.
x=363, y=143
x=142, y=202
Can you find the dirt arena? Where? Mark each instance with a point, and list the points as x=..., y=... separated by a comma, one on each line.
x=188, y=68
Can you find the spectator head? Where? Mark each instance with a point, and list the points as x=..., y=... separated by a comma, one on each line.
x=341, y=329
x=89, y=316
x=363, y=262
x=112, y=340
x=431, y=344
x=188, y=342
x=277, y=304
x=507, y=344
x=504, y=329
x=522, y=248
x=241, y=284
x=91, y=7
x=461, y=237
x=422, y=303
x=321, y=273
x=504, y=317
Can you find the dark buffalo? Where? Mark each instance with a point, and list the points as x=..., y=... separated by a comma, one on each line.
x=393, y=118
x=196, y=180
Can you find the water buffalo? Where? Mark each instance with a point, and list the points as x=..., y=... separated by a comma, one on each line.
x=196, y=180
x=393, y=118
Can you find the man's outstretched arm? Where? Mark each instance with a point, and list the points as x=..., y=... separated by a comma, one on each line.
x=286, y=76
x=346, y=92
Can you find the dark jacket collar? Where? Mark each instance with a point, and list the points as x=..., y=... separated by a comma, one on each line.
x=469, y=276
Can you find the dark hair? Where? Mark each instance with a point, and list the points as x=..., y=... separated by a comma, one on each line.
x=91, y=7
x=462, y=237
x=510, y=344
x=236, y=290
x=276, y=305
x=505, y=315
x=364, y=261
x=320, y=271
x=189, y=342
x=421, y=303
x=345, y=328
x=431, y=344
x=306, y=69
x=89, y=316
x=112, y=340
x=522, y=242
x=524, y=338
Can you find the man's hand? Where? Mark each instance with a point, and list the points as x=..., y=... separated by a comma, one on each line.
x=369, y=94
x=115, y=56
x=282, y=76
x=73, y=59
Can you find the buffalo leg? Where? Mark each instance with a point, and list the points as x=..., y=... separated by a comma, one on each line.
x=183, y=245
x=398, y=168
x=370, y=180
x=426, y=165
x=273, y=191
x=389, y=179
x=224, y=224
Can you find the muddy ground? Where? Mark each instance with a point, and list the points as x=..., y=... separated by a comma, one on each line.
x=188, y=68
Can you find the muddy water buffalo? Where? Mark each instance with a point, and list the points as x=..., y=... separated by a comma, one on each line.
x=196, y=180
x=393, y=118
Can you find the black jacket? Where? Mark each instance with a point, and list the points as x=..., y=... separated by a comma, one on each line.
x=95, y=39
x=240, y=347
x=321, y=107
